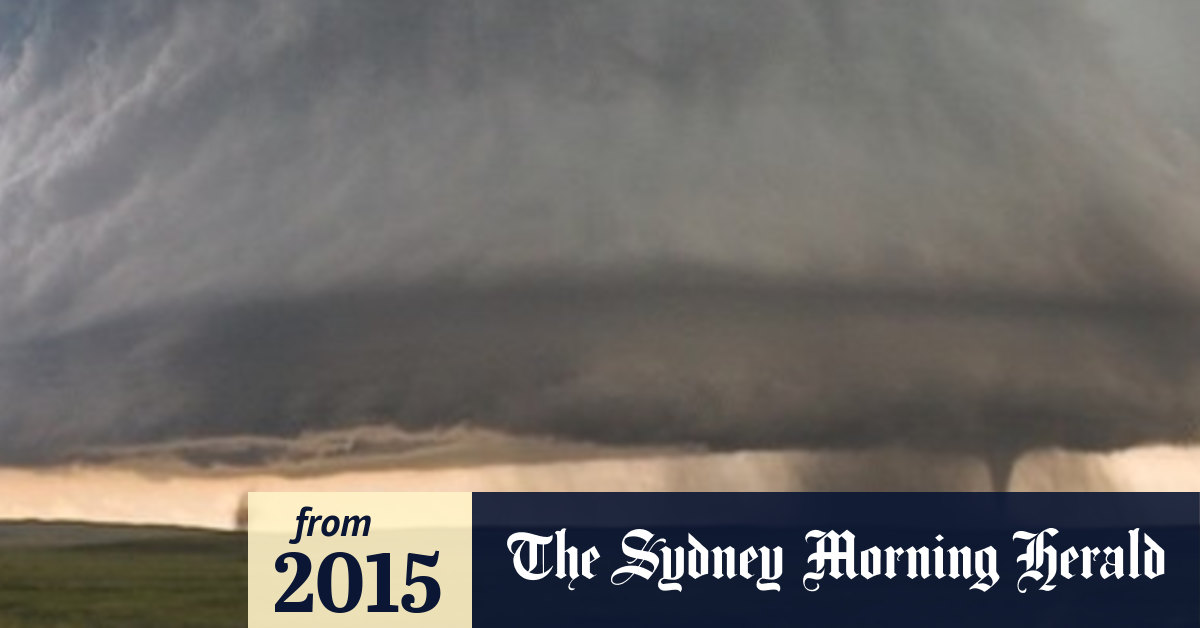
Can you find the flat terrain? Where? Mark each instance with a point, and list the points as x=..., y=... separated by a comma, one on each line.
x=98, y=576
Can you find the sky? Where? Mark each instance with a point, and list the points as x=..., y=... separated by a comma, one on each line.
x=271, y=216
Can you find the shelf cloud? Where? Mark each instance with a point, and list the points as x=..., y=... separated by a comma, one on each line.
x=968, y=225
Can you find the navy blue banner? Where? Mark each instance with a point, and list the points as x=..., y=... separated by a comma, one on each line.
x=720, y=559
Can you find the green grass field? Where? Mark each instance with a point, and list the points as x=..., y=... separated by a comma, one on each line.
x=71, y=575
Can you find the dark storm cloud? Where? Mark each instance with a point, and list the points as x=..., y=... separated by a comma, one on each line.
x=725, y=363
x=191, y=192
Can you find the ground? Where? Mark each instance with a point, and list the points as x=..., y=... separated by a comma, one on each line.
x=70, y=575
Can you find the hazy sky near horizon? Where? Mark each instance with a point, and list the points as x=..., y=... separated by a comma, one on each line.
x=165, y=159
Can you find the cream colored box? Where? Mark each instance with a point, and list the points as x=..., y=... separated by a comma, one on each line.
x=399, y=524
